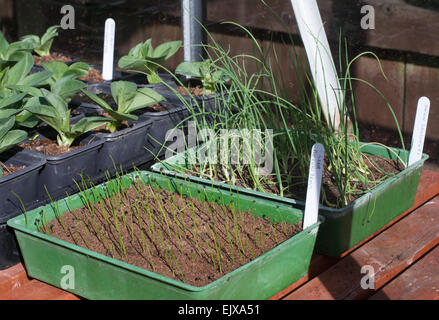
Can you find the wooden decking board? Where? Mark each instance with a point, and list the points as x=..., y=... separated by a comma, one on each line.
x=36, y=290
x=427, y=189
x=419, y=282
x=319, y=263
x=389, y=254
x=12, y=278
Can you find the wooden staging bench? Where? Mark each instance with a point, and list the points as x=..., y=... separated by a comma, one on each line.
x=404, y=255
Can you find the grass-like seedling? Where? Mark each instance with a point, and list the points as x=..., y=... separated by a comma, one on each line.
x=176, y=230
x=262, y=100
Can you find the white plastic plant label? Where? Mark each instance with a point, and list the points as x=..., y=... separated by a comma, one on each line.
x=314, y=184
x=107, y=64
x=419, y=130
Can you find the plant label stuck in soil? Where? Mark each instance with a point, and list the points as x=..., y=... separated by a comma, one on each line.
x=419, y=130
x=107, y=64
x=314, y=184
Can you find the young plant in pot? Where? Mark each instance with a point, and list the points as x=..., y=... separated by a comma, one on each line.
x=42, y=46
x=53, y=110
x=9, y=137
x=10, y=53
x=206, y=72
x=14, y=78
x=127, y=99
x=145, y=59
x=61, y=70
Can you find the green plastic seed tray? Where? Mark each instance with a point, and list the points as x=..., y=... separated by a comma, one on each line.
x=100, y=277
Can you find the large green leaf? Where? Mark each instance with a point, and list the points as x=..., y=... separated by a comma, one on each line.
x=100, y=102
x=123, y=92
x=8, y=113
x=50, y=33
x=166, y=50
x=3, y=46
x=31, y=39
x=27, y=89
x=128, y=62
x=146, y=49
x=187, y=68
x=12, y=99
x=6, y=124
x=56, y=67
x=26, y=119
x=12, y=138
x=135, y=51
x=87, y=124
x=20, y=70
x=35, y=79
x=61, y=107
x=144, y=97
x=67, y=87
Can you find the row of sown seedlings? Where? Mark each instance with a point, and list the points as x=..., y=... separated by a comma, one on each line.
x=191, y=234
x=262, y=101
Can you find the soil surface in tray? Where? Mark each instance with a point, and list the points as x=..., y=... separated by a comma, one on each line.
x=9, y=169
x=269, y=183
x=196, y=91
x=54, y=56
x=178, y=237
x=48, y=147
x=93, y=76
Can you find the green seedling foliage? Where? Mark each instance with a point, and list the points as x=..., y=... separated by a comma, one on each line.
x=9, y=137
x=10, y=53
x=211, y=78
x=144, y=58
x=127, y=99
x=42, y=45
x=61, y=70
x=54, y=111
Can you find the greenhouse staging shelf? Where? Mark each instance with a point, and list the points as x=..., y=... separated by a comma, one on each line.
x=404, y=255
